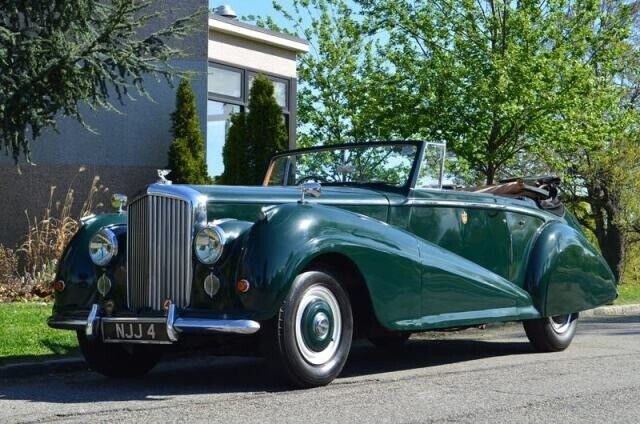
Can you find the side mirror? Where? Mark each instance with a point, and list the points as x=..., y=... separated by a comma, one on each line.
x=118, y=201
x=311, y=189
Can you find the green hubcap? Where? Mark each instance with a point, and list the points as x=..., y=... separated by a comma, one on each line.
x=317, y=325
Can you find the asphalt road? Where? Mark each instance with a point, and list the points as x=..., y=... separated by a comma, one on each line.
x=470, y=376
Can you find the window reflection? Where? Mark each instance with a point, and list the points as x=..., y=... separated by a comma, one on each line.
x=430, y=175
x=279, y=90
x=223, y=81
x=218, y=124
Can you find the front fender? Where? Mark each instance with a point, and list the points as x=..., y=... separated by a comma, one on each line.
x=566, y=273
x=78, y=271
x=283, y=244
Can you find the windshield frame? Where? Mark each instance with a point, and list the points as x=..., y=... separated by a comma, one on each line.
x=413, y=174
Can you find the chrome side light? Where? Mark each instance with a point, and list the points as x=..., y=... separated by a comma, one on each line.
x=211, y=285
x=118, y=201
x=104, y=285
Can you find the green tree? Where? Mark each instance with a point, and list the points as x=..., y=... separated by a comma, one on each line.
x=337, y=97
x=254, y=138
x=512, y=87
x=56, y=55
x=496, y=78
x=234, y=152
x=606, y=174
x=186, y=154
x=608, y=181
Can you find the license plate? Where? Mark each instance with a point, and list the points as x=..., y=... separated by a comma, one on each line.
x=121, y=330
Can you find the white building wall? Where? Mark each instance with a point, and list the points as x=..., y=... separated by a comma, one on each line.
x=250, y=54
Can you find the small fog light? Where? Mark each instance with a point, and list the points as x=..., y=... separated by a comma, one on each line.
x=104, y=285
x=243, y=286
x=211, y=285
x=59, y=286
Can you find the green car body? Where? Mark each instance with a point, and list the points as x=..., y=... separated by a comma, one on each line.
x=417, y=259
x=422, y=267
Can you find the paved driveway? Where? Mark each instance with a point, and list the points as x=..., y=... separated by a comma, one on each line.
x=470, y=376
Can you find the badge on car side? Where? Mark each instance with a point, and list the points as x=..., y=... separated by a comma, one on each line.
x=464, y=217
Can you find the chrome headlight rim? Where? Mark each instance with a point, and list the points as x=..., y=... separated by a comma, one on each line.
x=110, y=239
x=212, y=232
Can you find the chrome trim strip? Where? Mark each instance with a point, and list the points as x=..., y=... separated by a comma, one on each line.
x=327, y=201
x=479, y=205
x=202, y=325
x=89, y=329
x=181, y=192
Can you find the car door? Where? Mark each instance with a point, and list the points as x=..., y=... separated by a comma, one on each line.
x=477, y=234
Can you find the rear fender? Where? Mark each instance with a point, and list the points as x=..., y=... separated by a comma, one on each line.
x=566, y=273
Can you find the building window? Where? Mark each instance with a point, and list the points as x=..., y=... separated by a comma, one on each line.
x=218, y=124
x=228, y=89
x=225, y=81
x=280, y=90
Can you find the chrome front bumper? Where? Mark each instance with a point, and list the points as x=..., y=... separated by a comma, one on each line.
x=175, y=325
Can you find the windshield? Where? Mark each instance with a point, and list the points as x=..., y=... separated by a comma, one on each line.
x=388, y=165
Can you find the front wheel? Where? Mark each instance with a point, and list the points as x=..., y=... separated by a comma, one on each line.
x=117, y=360
x=551, y=334
x=309, y=341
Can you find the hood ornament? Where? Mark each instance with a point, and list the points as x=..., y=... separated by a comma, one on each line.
x=162, y=174
x=312, y=189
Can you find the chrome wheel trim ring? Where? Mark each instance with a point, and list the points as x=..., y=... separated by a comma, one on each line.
x=313, y=294
x=561, y=323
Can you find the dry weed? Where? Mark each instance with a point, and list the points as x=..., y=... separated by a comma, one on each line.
x=31, y=269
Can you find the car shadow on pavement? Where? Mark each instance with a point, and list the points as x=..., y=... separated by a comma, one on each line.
x=427, y=353
x=228, y=375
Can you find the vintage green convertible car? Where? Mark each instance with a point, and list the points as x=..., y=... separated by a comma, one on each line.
x=347, y=241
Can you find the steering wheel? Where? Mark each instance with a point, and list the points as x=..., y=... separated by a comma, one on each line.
x=312, y=177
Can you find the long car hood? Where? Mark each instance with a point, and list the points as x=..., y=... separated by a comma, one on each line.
x=245, y=202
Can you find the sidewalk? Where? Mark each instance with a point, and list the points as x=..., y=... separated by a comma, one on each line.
x=77, y=363
x=612, y=310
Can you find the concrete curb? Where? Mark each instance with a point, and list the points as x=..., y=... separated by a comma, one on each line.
x=48, y=366
x=613, y=310
x=77, y=363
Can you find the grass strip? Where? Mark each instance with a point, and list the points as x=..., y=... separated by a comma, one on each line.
x=24, y=333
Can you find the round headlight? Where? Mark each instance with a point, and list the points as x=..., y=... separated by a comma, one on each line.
x=208, y=245
x=103, y=247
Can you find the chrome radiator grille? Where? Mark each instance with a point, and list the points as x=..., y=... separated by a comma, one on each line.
x=159, y=263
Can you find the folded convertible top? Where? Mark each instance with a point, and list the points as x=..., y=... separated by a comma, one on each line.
x=542, y=190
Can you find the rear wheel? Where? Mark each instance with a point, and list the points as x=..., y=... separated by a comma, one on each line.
x=551, y=334
x=117, y=360
x=309, y=341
